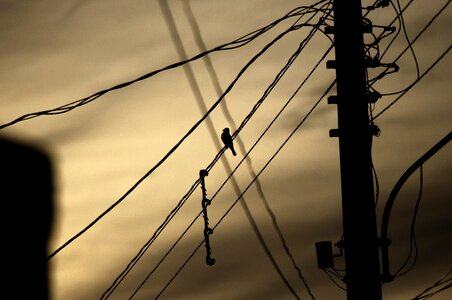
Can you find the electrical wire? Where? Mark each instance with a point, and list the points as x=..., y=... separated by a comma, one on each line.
x=240, y=163
x=183, y=200
x=413, y=243
x=433, y=65
x=184, y=264
x=397, y=18
x=327, y=272
x=215, y=81
x=382, y=36
x=399, y=15
x=249, y=185
x=245, y=156
x=209, y=167
x=402, y=23
x=189, y=73
x=172, y=214
x=441, y=285
x=391, y=200
x=376, y=185
x=381, y=75
x=173, y=149
x=240, y=42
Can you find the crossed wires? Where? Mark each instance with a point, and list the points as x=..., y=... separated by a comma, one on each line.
x=250, y=184
x=215, y=81
x=410, y=260
x=178, y=240
x=245, y=39
x=238, y=165
x=235, y=44
x=374, y=44
x=184, y=199
x=409, y=47
x=441, y=285
x=421, y=76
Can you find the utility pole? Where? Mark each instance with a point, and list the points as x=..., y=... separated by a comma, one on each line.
x=354, y=131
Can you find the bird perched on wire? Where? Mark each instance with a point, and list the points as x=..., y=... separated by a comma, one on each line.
x=227, y=140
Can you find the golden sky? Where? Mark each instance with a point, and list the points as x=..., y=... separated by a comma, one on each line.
x=56, y=52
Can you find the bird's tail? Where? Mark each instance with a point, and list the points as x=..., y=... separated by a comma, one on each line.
x=233, y=151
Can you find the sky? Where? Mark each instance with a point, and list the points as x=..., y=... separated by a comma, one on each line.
x=56, y=52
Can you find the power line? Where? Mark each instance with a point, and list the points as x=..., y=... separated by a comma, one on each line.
x=327, y=272
x=402, y=23
x=244, y=158
x=441, y=285
x=413, y=243
x=382, y=35
x=214, y=77
x=387, y=276
x=185, y=198
x=227, y=179
x=249, y=185
x=240, y=42
x=400, y=27
x=195, y=88
x=190, y=131
x=429, y=23
x=415, y=82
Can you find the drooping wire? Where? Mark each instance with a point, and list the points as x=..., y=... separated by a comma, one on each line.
x=441, y=285
x=209, y=65
x=249, y=185
x=433, y=65
x=382, y=36
x=381, y=75
x=185, y=198
x=173, y=149
x=329, y=274
x=376, y=185
x=193, y=83
x=175, y=210
x=189, y=74
x=387, y=276
x=240, y=42
x=402, y=23
x=240, y=163
x=413, y=243
x=210, y=166
x=399, y=28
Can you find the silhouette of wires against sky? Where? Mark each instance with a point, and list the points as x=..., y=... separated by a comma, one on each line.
x=249, y=185
x=399, y=16
x=388, y=207
x=441, y=285
x=213, y=132
x=224, y=93
x=184, y=199
x=303, y=10
x=418, y=78
x=409, y=47
x=238, y=43
x=244, y=158
x=204, y=54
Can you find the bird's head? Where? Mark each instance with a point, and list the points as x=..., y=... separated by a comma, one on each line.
x=226, y=129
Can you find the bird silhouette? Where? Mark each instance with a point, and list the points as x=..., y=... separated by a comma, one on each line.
x=227, y=140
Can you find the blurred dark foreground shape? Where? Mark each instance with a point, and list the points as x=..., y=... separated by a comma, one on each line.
x=27, y=212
